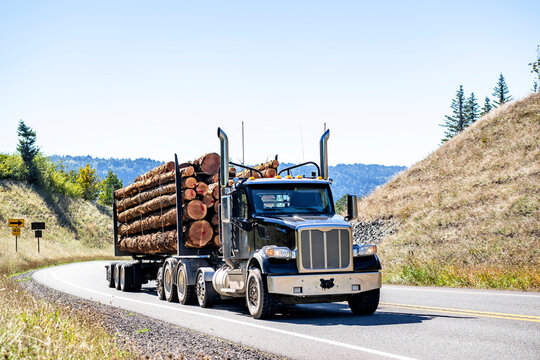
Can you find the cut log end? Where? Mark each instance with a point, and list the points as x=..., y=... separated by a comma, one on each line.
x=199, y=233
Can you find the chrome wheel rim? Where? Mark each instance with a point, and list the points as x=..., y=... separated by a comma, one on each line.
x=253, y=293
x=167, y=280
x=122, y=277
x=181, y=284
x=200, y=288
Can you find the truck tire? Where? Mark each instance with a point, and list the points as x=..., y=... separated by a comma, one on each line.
x=365, y=303
x=117, y=276
x=137, y=280
x=260, y=303
x=126, y=277
x=110, y=275
x=159, y=284
x=169, y=288
x=206, y=295
x=186, y=293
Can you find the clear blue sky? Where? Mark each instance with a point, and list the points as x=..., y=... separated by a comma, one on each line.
x=147, y=79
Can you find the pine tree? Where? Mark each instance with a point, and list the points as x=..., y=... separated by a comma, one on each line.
x=107, y=187
x=28, y=150
x=487, y=107
x=535, y=69
x=89, y=181
x=457, y=122
x=500, y=92
x=472, y=110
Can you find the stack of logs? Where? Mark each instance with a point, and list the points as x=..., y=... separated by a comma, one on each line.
x=146, y=209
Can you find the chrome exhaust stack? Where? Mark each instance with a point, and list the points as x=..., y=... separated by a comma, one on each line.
x=324, y=154
x=225, y=210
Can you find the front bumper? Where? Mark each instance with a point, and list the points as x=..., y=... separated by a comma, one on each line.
x=324, y=284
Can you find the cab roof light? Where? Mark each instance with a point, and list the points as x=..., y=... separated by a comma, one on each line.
x=299, y=176
x=252, y=178
x=278, y=176
x=289, y=177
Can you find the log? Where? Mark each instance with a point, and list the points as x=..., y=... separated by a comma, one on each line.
x=155, y=243
x=194, y=210
x=161, y=202
x=215, y=220
x=156, y=171
x=201, y=188
x=188, y=183
x=273, y=164
x=216, y=241
x=215, y=178
x=144, y=196
x=198, y=234
x=208, y=200
x=269, y=173
x=214, y=190
x=216, y=208
x=208, y=164
x=154, y=181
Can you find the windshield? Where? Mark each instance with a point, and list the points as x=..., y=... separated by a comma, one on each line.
x=291, y=199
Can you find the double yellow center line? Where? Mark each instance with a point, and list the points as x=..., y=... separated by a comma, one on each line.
x=531, y=318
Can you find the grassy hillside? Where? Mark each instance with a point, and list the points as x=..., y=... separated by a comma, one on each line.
x=75, y=228
x=469, y=214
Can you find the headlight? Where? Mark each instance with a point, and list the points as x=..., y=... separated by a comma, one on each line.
x=280, y=252
x=364, y=250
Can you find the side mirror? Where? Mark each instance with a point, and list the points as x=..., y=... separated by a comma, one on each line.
x=226, y=209
x=352, y=207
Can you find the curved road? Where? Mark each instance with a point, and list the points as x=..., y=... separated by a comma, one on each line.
x=411, y=322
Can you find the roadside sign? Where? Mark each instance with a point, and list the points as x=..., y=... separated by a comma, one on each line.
x=16, y=222
x=16, y=231
x=38, y=226
x=38, y=233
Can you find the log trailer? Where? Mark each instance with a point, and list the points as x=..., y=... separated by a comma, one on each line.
x=282, y=242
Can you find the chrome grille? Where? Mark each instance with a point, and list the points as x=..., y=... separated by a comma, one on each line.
x=324, y=249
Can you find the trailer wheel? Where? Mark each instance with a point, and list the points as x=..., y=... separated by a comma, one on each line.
x=206, y=295
x=159, y=284
x=168, y=285
x=365, y=303
x=186, y=293
x=110, y=274
x=126, y=277
x=261, y=304
x=117, y=276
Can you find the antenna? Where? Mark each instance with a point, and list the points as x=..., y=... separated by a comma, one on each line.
x=243, y=159
x=324, y=128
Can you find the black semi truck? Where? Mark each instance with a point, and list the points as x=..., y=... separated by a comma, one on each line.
x=282, y=242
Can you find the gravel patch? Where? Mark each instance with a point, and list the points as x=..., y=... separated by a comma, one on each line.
x=148, y=338
x=373, y=232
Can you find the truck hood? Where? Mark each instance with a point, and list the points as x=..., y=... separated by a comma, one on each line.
x=297, y=221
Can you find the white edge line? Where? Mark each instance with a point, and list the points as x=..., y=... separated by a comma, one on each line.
x=257, y=326
x=463, y=291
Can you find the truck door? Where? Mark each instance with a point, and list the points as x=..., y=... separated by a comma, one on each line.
x=240, y=215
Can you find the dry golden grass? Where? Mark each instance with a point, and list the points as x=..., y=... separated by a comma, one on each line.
x=469, y=214
x=75, y=230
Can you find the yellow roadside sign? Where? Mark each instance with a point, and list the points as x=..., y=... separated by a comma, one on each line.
x=16, y=222
x=16, y=231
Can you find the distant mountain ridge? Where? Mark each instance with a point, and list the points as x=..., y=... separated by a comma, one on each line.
x=359, y=179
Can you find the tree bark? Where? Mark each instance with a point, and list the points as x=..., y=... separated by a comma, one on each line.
x=144, y=196
x=273, y=164
x=156, y=243
x=154, y=181
x=214, y=190
x=156, y=171
x=198, y=234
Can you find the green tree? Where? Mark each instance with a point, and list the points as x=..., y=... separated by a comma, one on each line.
x=341, y=205
x=472, y=110
x=535, y=70
x=487, y=107
x=28, y=150
x=500, y=92
x=107, y=186
x=457, y=122
x=89, y=182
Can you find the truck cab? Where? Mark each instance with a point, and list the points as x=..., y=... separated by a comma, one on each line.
x=284, y=243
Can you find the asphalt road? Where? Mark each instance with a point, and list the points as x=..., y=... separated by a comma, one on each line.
x=411, y=322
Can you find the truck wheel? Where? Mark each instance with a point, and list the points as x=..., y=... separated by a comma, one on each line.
x=206, y=294
x=186, y=293
x=126, y=277
x=117, y=276
x=365, y=303
x=260, y=303
x=136, y=276
x=110, y=274
x=159, y=284
x=168, y=285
